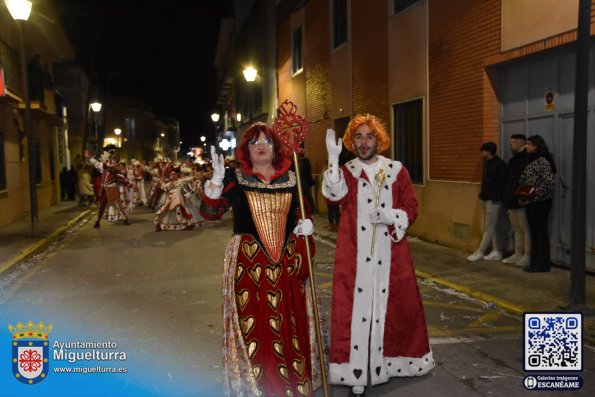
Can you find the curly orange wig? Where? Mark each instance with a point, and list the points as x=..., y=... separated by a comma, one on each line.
x=378, y=129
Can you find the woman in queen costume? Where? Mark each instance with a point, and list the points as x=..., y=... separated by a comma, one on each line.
x=268, y=327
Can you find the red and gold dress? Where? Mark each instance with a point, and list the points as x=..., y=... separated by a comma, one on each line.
x=269, y=346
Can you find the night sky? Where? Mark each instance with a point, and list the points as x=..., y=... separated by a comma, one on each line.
x=162, y=52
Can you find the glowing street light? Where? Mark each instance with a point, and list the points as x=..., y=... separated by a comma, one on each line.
x=203, y=138
x=118, y=131
x=96, y=106
x=250, y=74
x=20, y=11
x=239, y=117
x=215, y=117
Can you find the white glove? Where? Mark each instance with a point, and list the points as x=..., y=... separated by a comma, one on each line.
x=381, y=216
x=305, y=227
x=218, y=167
x=334, y=150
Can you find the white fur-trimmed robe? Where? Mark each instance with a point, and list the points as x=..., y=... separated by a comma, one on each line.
x=377, y=315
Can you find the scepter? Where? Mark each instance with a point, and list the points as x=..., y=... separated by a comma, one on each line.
x=291, y=129
x=379, y=177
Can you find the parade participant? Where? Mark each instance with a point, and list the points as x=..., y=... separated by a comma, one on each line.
x=268, y=325
x=193, y=193
x=138, y=175
x=121, y=209
x=109, y=189
x=173, y=214
x=378, y=324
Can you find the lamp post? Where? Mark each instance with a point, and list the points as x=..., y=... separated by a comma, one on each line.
x=118, y=131
x=20, y=11
x=96, y=108
x=250, y=75
x=215, y=117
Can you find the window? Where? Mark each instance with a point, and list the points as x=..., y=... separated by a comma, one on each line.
x=130, y=128
x=401, y=5
x=2, y=164
x=52, y=164
x=37, y=162
x=297, y=51
x=339, y=14
x=408, y=149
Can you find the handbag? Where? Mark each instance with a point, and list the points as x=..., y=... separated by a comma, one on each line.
x=525, y=192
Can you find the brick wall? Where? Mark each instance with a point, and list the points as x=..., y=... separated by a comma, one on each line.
x=463, y=104
x=369, y=38
x=318, y=86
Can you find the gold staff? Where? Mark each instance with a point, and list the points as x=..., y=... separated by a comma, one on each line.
x=379, y=177
x=291, y=129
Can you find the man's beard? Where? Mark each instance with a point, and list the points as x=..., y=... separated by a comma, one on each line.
x=371, y=153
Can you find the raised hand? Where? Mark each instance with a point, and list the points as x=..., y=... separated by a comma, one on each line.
x=334, y=150
x=218, y=167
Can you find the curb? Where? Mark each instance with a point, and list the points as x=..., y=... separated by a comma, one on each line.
x=41, y=243
x=506, y=305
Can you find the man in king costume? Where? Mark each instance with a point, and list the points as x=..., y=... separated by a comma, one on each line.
x=378, y=326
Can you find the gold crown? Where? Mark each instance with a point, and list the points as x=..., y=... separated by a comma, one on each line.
x=39, y=331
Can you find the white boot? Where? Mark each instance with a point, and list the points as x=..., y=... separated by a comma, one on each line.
x=495, y=255
x=512, y=259
x=524, y=261
x=474, y=257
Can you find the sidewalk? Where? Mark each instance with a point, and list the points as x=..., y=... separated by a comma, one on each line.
x=505, y=286
x=17, y=243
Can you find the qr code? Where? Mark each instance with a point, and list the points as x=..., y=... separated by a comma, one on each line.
x=553, y=342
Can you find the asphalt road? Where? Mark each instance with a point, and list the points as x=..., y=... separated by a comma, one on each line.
x=158, y=296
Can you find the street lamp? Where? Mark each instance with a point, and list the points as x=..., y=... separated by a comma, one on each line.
x=215, y=117
x=20, y=11
x=117, y=131
x=250, y=75
x=96, y=108
x=203, y=138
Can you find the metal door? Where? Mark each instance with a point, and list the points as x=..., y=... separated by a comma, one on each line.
x=523, y=88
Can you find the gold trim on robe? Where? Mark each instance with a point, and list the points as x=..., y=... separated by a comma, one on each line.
x=269, y=213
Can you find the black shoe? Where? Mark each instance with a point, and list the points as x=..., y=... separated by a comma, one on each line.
x=96, y=225
x=534, y=270
x=126, y=222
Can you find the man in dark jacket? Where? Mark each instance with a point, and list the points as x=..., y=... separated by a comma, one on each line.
x=492, y=189
x=516, y=213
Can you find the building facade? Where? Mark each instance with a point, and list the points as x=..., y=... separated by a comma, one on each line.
x=444, y=76
x=45, y=44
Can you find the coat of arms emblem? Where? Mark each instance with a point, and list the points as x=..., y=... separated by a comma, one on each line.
x=30, y=351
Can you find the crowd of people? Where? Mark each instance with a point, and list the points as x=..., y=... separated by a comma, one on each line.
x=517, y=197
x=172, y=191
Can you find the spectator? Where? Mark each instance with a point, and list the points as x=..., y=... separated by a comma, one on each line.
x=63, y=183
x=71, y=182
x=492, y=189
x=516, y=213
x=539, y=174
